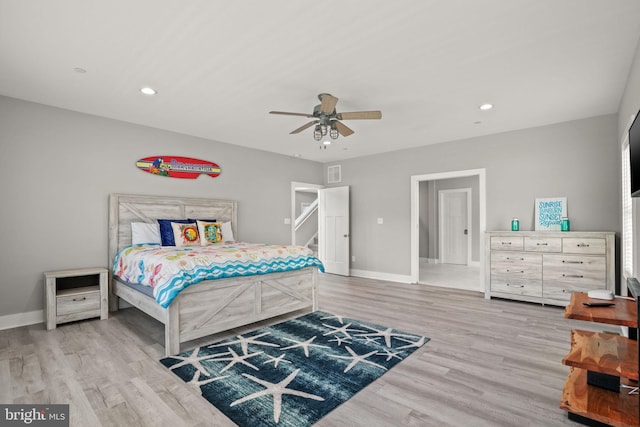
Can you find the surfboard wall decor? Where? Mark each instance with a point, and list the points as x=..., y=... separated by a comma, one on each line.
x=178, y=167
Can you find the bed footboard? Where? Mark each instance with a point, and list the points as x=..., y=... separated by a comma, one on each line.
x=218, y=305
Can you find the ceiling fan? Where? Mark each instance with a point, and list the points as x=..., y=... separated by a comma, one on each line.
x=327, y=120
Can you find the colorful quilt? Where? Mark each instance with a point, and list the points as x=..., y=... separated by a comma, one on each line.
x=169, y=269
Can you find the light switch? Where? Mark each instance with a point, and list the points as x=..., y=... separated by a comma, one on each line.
x=380, y=221
x=287, y=221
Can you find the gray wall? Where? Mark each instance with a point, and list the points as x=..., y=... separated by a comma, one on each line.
x=578, y=159
x=59, y=168
x=630, y=102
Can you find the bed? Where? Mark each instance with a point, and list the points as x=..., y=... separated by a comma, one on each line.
x=210, y=306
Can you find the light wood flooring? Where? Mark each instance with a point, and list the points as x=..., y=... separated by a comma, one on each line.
x=489, y=363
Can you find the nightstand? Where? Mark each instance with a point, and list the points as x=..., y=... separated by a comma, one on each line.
x=75, y=295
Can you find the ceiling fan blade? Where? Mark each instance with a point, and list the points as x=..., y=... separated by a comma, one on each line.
x=290, y=114
x=359, y=115
x=343, y=129
x=303, y=127
x=328, y=104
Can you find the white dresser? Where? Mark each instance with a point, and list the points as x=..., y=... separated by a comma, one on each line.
x=546, y=267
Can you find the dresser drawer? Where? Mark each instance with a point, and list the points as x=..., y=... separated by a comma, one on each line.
x=574, y=245
x=515, y=243
x=561, y=292
x=543, y=244
x=515, y=265
x=583, y=270
x=516, y=286
x=507, y=258
x=77, y=302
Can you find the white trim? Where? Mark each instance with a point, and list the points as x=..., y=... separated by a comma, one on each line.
x=17, y=320
x=415, y=213
x=366, y=274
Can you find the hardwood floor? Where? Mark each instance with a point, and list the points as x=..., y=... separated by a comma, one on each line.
x=489, y=363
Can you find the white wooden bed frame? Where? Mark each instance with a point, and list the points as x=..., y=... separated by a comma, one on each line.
x=211, y=306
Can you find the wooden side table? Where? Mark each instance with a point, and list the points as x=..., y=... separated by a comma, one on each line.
x=76, y=294
x=600, y=364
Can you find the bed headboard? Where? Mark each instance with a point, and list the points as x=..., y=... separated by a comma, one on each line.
x=127, y=208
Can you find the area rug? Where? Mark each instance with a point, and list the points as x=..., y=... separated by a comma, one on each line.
x=295, y=372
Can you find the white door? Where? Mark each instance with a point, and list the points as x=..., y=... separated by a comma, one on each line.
x=333, y=229
x=454, y=227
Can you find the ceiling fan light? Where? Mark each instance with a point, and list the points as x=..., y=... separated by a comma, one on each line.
x=333, y=132
x=317, y=133
x=324, y=129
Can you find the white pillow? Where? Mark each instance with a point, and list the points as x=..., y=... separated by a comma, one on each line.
x=143, y=232
x=227, y=232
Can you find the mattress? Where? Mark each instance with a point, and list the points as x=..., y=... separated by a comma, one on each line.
x=167, y=270
x=147, y=290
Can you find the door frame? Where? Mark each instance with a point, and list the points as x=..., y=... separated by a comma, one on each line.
x=469, y=224
x=415, y=214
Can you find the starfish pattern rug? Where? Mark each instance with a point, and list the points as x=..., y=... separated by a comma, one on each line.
x=295, y=372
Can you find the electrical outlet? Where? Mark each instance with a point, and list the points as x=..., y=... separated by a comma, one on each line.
x=380, y=221
x=353, y=258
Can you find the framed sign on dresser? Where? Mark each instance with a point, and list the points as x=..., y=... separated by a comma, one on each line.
x=546, y=266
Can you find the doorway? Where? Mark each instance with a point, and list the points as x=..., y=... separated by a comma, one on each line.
x=469, y=276
x=304, y=218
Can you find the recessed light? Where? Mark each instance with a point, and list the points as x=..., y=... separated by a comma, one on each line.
x=327, y=142
x=485, y=107
x=148, y=91
x=79, y=70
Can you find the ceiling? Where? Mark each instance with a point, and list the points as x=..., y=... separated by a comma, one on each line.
x=220, y=66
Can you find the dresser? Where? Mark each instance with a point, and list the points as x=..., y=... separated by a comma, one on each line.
x=546, y=267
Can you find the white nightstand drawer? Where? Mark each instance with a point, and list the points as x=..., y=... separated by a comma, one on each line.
x=77, y=300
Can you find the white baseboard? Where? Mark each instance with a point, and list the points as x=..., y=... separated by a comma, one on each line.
x=21, y=319
x=401, y=278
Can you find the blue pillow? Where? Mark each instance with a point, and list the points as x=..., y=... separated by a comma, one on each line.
x=166, y=231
